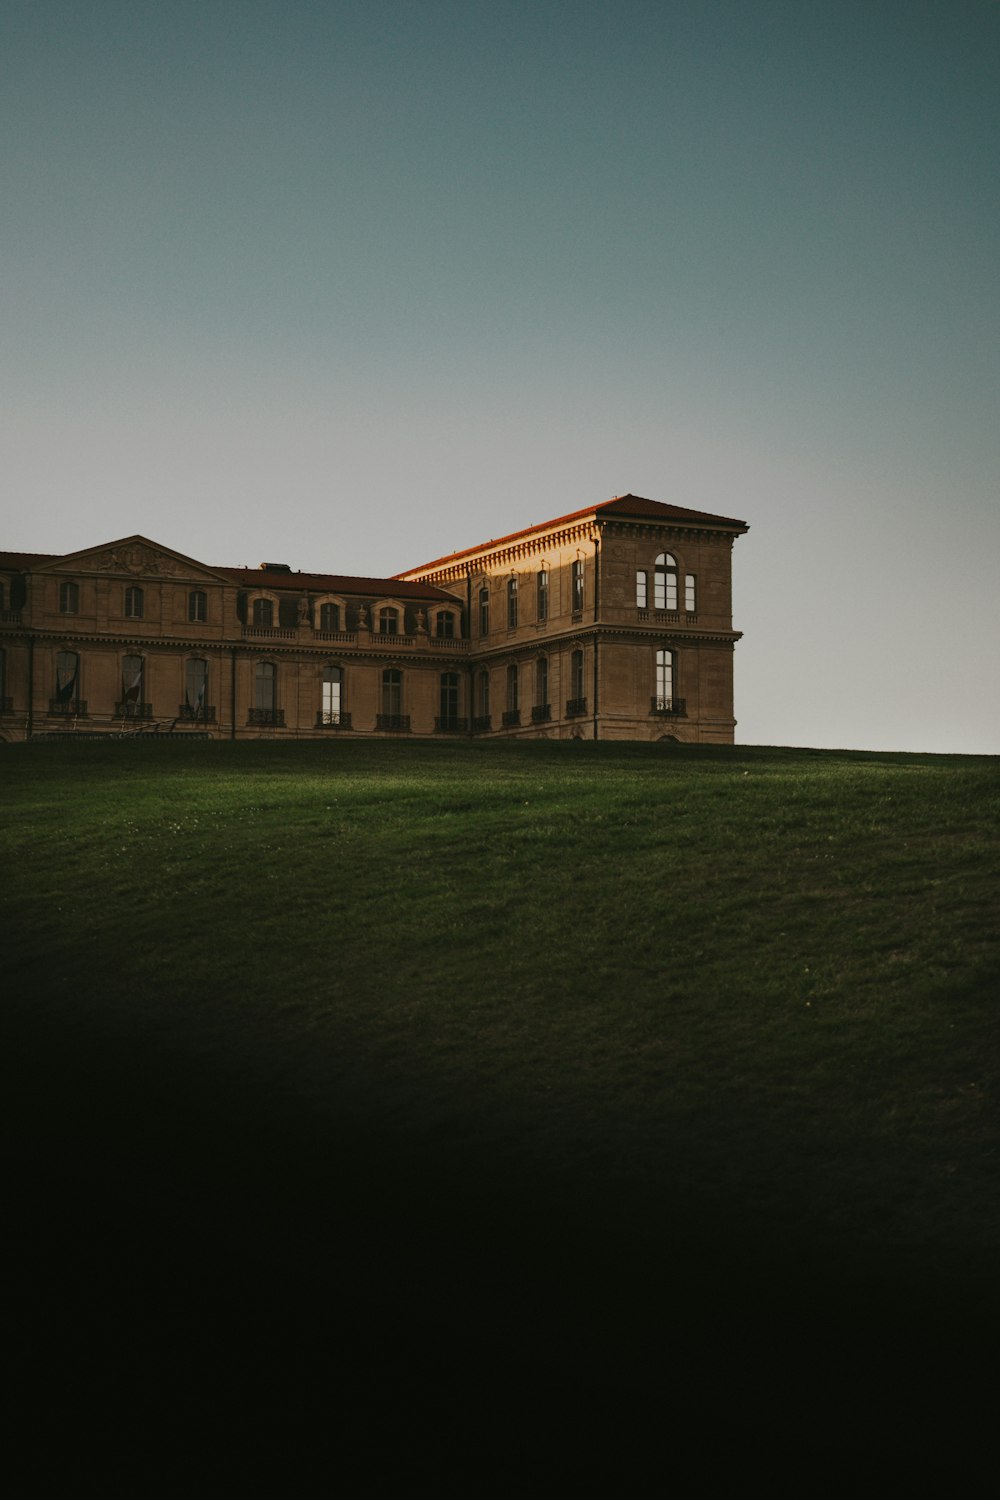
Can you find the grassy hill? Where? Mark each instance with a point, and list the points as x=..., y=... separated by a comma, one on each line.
x=530, y=1053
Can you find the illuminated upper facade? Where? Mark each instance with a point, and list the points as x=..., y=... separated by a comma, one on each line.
x=613, y=622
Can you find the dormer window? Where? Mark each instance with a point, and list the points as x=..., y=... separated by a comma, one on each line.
x=444, y=624
x=329, y=617
x=388, y=621
x=263, y=614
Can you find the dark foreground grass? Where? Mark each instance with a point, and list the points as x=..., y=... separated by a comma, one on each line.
x=403, y=1081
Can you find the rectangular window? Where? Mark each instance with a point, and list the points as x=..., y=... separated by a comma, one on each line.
x=512, y=688
x=333, y=692
x=329, y=617
x=689, y=593
x=577, y=587
x=133, y=604
x=664, y=680
x=392, y=692
x=543, y=596
x=195, y=687
x=133, y=673
x=641, y=590
x=444, y=625
x=263, y=614
x=484, y=611
x=264, y=686
x=512, y=604
x=449, y=701
x=69, y=598
x=576, y=675
x=197, y=607
x=388, y=623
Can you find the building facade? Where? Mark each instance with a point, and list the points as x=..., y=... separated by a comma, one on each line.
x=613, y=622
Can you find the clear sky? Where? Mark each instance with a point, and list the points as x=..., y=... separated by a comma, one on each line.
x=349, y=284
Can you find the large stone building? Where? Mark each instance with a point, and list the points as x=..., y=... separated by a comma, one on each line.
x=614, y=622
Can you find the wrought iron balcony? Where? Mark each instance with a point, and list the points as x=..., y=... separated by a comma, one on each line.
x=451, y=725
x=541, y=712
x=511, y=716
x=393, y=723
x=482, y=724
x=331, y=720
x=575, y=707
x=272, y=716
x=68, y=708
x=133, y=710
x=203, y=715
x=672, y=706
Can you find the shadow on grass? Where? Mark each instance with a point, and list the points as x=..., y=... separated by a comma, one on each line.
x=190, y=1252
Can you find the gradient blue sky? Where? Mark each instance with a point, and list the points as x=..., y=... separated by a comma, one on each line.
x=351, y=285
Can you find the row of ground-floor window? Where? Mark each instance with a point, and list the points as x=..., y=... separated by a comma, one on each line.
x=123, y=691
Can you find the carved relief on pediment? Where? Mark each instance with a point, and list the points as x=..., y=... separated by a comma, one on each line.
x=135, y=558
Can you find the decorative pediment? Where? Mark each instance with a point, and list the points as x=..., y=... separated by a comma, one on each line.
x=134, y=557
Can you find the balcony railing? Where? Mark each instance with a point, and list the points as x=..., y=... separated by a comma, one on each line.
x=541, y=713
x=272, y=716
x=393, y=723
x=668, y=706
x=268, y=633
x=511, y=716
x=575, y=707
x=331, y=720
x=75, y=708
x=659, y=616
x=482, y=724
x=10, y=617
x=448, y=642
x=389, y=638
x=133, y=710
x=451, y=725
x=347, y=636
x=203, y=715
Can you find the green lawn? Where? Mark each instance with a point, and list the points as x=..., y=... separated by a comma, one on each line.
x=748, y=986
x=393, y=1100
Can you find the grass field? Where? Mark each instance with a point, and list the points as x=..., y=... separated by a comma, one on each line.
x=545, y=1050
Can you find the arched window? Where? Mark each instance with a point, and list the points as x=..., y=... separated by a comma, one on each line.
x=444, y=624
x=484, y=611
x=263, y=614
x=388, y=621
x=67, y=698
x=664, y=701
x=196, y=688
x=333, y=694
x=641, y=589
x=578, y=586
x=542, y=590
x=329, y=617
x=665, y=582
x=133, y=705
x=197, y=607
x=69, y=598
x=134, y=603
x=449, y=701
x=512, y=603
